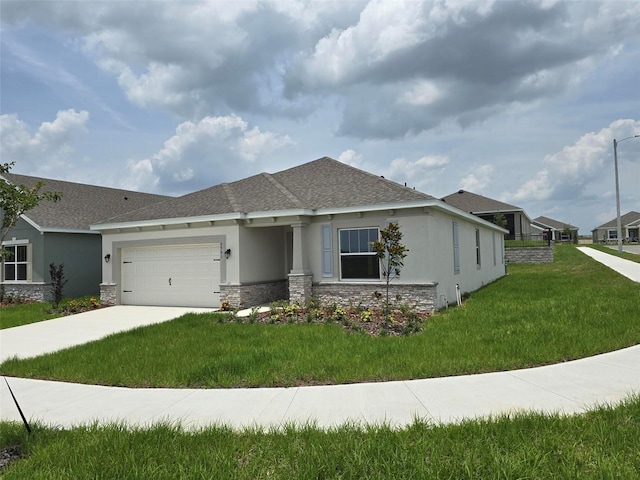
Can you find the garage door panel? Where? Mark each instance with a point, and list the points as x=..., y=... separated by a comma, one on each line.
x=176, y=275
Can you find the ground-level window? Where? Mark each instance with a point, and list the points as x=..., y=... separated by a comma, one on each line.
x=478, y=248
x=16, y=262
x=456, y=248
x=612, y=234
x=357, y=258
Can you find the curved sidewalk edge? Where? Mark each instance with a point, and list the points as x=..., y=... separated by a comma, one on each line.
x=629, y=269
x=566, y=388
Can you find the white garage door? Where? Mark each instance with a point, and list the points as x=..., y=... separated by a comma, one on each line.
x=172, y=275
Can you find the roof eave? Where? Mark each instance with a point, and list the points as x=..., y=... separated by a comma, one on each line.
x=432, y=203
x=168, y=221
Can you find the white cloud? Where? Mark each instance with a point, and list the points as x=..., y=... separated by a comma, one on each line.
x=568, y=173
x=418, y=173
x=478, y=180
x=46, y=151
x=204, y=153
x=351, y=158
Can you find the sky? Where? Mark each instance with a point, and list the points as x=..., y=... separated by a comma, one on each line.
x=515, y=100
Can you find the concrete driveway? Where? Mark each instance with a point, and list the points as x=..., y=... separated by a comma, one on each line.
x=52, y=335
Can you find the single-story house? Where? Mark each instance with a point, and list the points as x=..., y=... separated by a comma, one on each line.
x=518, y=222
x=59, y=233
x=560, y=231
x=297, y=234
x=608, y=232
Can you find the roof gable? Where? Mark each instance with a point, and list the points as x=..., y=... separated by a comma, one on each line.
x=321, y=184
x=626, y=219
x=474, y=203
x=551, y=223
x=81, y=205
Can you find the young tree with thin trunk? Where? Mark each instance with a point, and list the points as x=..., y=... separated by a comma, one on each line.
x=391, y=253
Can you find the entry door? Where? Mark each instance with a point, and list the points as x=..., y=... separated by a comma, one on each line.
x=171, y=275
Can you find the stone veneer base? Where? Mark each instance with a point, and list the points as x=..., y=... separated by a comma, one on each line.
x=108, y=293
x=421, y=297
x=253, y=294
x=35, y=292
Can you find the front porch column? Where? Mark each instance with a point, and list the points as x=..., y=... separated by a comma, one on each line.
x=300, y=277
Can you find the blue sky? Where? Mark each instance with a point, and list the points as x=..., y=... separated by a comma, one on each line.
x=518, y=101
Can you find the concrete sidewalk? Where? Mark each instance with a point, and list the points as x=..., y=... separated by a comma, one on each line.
x=570, y=387
x=624, y=267
x=567, y=388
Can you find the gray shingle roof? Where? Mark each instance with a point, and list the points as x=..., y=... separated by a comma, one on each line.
x=81, y=205
x=320, y=184
x=474, y=203
x=554, y=224
x=625, y=219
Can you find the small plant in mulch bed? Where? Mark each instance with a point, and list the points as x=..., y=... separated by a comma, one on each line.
x=373, y=321
x=80, y=305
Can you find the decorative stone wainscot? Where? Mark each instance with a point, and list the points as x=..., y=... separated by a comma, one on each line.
x=529, y=255
x=300, y=288
x=422, y=297
x=253, y=294
x=108, y=293
x=36, y=292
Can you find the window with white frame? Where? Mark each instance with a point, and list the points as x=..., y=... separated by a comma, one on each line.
x=358, y=260
x=16, y=262
x=612, y=234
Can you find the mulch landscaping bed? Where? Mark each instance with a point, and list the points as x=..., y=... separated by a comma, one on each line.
x=370, y=321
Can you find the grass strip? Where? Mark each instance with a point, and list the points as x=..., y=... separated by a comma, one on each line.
x=634, y=257
x=603, y=443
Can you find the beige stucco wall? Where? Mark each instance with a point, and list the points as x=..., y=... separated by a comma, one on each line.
x=262, y=254
x=429, y=238
x=227, y=236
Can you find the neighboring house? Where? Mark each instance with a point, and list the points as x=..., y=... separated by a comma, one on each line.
x=608, y=232
x=518, y=222
x=296, y=234
x=561, y=231
x=59, y=233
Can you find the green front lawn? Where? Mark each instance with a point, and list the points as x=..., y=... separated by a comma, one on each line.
x=15, y=314
x=538, y=314
x=600, y=444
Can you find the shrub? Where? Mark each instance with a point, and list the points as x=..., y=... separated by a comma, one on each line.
x=57, y=283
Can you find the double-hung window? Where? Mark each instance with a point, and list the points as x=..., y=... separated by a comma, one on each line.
x=357, y=257
x=16, y=263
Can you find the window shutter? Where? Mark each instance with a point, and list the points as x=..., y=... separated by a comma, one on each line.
x=494, y=250
x=327, y=251
x=29, y=263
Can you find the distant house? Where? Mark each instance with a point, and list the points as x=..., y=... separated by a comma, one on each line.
x=561, y=231
x=518, y=222
x=608, y=232
x=59, y=233
x=297, y=234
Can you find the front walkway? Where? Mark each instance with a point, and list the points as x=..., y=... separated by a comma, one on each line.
x=571, y=387
x=624, y=267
